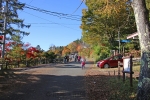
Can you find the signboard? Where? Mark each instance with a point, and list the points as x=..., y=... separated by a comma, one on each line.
x=125, y=41
x=126, y=64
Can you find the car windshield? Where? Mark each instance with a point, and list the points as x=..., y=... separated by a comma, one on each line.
x=120, y=57
x=107, y=58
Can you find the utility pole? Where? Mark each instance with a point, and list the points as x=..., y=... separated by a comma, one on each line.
x=1, y=5
x=2, y=22
x=119, y=38
x=5, y=10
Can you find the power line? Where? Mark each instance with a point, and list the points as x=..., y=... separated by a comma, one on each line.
x=44, y=26
x=60, y=15
x=30, y=1
x=50, y=21
x=78, y=7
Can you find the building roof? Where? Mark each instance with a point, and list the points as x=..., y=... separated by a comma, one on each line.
x=133, y=36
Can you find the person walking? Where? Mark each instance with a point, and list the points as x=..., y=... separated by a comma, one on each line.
x=76, y=58
x=83, y=60
x=79, y=58
x=65, y=59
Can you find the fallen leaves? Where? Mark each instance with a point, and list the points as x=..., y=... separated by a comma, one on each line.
x=104, y=84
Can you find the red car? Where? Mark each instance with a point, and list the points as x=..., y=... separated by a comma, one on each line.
x=110, y=62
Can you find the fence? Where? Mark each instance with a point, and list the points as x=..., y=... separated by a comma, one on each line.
x=5, y=64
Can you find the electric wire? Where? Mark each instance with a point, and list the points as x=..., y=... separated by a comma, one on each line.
x=63, y=14
x=50, y=21
x=60, y=15
x=30, y=1
x=54, y=14
x=78, y=7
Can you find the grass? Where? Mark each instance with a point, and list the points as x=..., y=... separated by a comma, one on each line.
x=122, y=90
x=111, y=88
x=101, y=86
x=136, y=68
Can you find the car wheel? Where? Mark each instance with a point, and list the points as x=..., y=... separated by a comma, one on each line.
x=106, y=66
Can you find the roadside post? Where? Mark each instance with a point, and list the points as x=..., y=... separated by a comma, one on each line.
x=1, y=66
x=120, y=64
x=127, y=68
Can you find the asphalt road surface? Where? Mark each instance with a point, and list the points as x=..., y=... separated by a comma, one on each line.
x=49, y=82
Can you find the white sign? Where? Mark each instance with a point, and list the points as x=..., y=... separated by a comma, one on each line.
x=126, y=64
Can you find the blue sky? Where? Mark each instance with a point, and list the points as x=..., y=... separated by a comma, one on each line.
x=46, y=29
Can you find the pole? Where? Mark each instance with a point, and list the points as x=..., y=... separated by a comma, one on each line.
x=1, y=5
x=131, y=72
x=5, y=25
x=2, y=23
x=119, y=38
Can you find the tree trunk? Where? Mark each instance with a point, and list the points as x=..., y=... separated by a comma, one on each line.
x=143, y=29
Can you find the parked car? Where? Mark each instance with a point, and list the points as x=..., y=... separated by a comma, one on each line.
x=110, y=61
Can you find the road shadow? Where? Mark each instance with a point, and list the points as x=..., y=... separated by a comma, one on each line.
x=42, y=87
x=15, y=85
x=57, y=87
x=67, y=66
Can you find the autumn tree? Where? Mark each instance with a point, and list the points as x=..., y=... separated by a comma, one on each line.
x=56, y=49
x=104, y=20
x=66, y=51
x=15, y=46
x=31, y=52
x=79, y=48
x=50, y=55
x=16, y=52
x=85, y=52
x=73, y=47
x=141, y=13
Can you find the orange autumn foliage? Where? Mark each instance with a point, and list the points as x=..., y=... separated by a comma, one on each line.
x=65, y=51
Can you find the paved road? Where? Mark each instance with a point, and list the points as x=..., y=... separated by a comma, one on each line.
x=50, y=82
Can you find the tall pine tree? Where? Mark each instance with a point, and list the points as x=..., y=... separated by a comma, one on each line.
x=10, y=19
